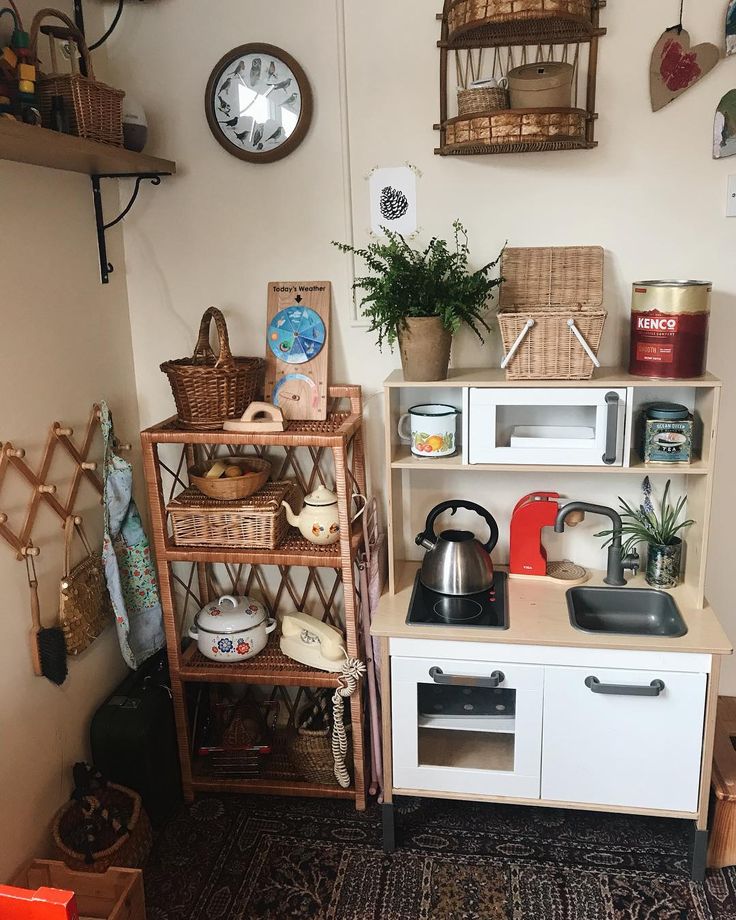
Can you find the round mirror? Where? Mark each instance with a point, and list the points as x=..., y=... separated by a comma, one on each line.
x=258, y=103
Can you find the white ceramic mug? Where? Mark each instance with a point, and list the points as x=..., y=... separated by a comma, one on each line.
x=432, y=430
x=490, y=83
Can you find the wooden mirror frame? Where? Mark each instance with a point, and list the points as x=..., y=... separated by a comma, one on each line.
x=305, y=115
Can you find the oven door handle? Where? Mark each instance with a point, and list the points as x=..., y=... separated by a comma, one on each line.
x=464, y=680
x=612, y=404
x=595, y=686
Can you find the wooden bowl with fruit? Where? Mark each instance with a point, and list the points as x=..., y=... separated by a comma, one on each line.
x=230, y=478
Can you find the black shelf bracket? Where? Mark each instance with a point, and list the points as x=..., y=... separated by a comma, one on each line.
x=154, y=178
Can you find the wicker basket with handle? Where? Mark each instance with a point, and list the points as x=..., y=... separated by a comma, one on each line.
x=256, y=522
x=95, y=109
x=549, y=305
x=207, y=389
x=85, y=608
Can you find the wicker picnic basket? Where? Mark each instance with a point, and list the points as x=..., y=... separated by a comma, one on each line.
x=208, y=390
x=546, y=296
x=95, y=109
x=520, y=16
x=256, y=522
x=112, y=817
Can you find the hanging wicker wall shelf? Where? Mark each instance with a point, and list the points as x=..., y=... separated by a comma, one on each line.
x=556, y=41
x=492, y=23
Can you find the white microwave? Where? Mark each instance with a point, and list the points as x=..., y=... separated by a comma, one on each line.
x=563, y=426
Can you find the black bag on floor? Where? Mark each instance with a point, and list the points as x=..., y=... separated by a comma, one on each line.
x=133, y=738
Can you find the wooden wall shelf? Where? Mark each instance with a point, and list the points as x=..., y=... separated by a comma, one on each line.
x=41, y=147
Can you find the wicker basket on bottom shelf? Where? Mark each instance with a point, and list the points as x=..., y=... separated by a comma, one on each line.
x=516, y=126
x=70, y=830
x=310, y=745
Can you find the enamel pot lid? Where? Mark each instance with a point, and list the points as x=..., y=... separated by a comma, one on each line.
x=321, y=497
x=231, y=614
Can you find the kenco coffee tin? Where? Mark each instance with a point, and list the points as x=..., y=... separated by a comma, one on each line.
x=669, y=328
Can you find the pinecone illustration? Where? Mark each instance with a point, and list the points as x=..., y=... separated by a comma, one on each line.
x=393, y=203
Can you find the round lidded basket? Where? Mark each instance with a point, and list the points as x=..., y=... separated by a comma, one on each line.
x=208, y=390
x=482, y=99
x=71, y=829
x=255, y=473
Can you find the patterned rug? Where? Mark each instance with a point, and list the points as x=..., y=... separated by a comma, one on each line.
x=244, y=857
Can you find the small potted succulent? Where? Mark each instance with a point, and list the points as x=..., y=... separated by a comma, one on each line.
x=659, y=529
x=421, y=298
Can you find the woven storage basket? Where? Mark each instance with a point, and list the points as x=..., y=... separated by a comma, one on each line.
x=207, y=389
x=551, y=286
x=256, y=522
x=95, y=110
x=254, y=475
x=466, y=14
x=128, y=851
x=517, y=127
x=310, y=749
x=85, y=608
x=482, y=99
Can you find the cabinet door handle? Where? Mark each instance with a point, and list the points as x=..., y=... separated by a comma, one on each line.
x=612, y=402
x=654, y=689
x=463, y=680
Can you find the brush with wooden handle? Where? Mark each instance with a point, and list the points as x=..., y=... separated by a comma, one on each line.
x=48, y=648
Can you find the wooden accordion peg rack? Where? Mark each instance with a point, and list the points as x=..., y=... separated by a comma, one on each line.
x=43, y=491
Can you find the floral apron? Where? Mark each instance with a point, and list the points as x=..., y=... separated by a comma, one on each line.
x=126, y=555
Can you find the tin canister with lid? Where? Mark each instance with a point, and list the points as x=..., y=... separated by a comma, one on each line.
x=669, y=328
x=667, y=435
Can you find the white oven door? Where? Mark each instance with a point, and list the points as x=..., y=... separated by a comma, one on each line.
x=547, y=425
x=466, y=726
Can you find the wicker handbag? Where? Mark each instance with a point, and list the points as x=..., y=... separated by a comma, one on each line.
x=95, y=110
x=103, y=825
x=84, y=602
x=209, y=390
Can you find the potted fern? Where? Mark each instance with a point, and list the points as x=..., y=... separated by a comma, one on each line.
x=659, y=529
x=420, y=298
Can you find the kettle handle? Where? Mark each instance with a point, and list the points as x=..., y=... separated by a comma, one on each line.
x=429, y=535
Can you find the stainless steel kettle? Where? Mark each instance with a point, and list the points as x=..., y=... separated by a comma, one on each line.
x=457, y=563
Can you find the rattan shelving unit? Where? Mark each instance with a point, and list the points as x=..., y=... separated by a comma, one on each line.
x=333, y=450
x=520, y=32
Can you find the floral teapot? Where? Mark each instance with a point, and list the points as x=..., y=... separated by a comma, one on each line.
x=318, y=520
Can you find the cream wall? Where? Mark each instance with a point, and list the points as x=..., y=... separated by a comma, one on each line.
x=65, y=343
x=650, y=193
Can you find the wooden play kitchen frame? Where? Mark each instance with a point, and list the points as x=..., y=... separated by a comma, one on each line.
x=332, y=449
x=519, y=32
x=544, y=659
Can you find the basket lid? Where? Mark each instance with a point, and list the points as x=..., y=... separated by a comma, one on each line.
x=551, y=276
x=266, y=500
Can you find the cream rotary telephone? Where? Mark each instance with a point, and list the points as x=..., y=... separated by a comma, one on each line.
x=311, y=642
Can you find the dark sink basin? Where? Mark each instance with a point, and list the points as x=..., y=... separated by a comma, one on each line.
x=627, y=611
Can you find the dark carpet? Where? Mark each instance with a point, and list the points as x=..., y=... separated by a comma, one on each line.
x=242, y=857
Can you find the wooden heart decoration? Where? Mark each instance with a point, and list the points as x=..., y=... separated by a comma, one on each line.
x=676, y=66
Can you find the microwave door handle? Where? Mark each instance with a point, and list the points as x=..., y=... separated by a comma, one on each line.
x=612, y=401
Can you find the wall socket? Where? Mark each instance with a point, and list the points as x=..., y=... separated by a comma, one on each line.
x=731, y=197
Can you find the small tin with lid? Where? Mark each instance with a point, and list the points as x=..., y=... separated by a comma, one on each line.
x=667, y=434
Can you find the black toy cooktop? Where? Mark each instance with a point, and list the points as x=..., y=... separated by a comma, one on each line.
x=487, y=610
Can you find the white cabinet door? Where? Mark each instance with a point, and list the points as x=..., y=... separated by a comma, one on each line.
x=466, y=726
x=606, y=745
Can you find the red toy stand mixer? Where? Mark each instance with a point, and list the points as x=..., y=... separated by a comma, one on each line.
x=527, y=556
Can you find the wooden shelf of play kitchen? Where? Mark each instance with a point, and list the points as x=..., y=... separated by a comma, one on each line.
x=41, y=147
x=540, y=35
x=340, y=434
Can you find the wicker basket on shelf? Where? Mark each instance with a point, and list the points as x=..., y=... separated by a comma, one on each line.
x=207, y=389
x=95, y=109
x=465, y=14
x=113, y=815
x=256, y=522
x=310, y=746
x=546, y=295
x=482, y=99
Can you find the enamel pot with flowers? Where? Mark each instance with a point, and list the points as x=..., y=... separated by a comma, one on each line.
x=233, y=629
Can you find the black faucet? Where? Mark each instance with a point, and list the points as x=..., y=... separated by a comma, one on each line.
x=617, y=561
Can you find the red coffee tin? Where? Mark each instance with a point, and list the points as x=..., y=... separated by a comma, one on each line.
x=669, y=328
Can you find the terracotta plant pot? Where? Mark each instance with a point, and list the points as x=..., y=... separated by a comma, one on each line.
x=425, y=348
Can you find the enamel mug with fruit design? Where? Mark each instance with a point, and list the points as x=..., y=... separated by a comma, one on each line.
x=432, y=430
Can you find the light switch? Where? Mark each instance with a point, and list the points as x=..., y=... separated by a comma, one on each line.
x=731, y=197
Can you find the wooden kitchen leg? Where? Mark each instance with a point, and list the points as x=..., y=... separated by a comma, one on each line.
x=387, y=809
x=698, y=853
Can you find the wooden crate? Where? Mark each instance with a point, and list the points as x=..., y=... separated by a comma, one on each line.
x=113, y=895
